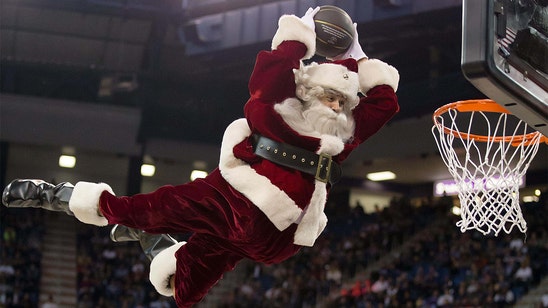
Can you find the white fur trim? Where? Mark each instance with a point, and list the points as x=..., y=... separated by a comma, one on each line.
x=273, y=202
x=314, y=219
x=374, y=72
x=331, y=145
x=84, y=202
x=162, y=267
x=330, y=76
x=291, y=28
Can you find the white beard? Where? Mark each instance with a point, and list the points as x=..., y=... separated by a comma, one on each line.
x=316, y=119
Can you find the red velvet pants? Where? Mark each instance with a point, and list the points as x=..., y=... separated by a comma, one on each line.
x=226, y=228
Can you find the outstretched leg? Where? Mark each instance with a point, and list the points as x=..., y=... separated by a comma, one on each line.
x=197, y=266
x=152, y=244
x=61, y=197
x=39, y=194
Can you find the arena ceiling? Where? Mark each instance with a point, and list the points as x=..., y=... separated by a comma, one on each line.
x=172, y=74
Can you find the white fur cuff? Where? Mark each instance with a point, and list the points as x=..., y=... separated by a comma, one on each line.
x=84, y=202
x=291, y=28
x=162, y=267
x=374, y=72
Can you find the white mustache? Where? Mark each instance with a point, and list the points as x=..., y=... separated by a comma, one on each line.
x=315, y=119
x=326, y=121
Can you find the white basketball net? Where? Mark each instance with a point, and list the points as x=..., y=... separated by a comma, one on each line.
x=489, y=172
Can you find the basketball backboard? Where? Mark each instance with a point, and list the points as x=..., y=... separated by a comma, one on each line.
x=505, y=55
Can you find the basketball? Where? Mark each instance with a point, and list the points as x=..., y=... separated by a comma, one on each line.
x=334, y=31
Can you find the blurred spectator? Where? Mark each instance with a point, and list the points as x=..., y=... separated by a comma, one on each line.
x=333, y=274
x=446, y=299
x=20, y=256
x=381, y=285
x=523, y=278
x=503, y=295
x=50, y=303
x=544, y=301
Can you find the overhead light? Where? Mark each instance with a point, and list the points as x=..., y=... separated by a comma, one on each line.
x=148, y=169
x=527, y=199
x=67, y=161
x=456, y=210
x=381, y=176
x=197, y=174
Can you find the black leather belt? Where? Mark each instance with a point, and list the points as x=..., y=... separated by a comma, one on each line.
x=321, y=166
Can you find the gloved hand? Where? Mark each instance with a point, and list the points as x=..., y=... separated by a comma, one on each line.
x=308, y=18
x=355, y=50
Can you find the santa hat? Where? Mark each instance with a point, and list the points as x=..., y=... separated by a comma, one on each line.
x=340, y=76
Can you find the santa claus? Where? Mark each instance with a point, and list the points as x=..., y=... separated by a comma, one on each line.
x=266, y=198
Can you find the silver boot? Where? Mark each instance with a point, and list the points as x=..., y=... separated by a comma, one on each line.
x=152, y=244
x=39, y=194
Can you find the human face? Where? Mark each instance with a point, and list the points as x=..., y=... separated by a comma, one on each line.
x=333, y=100
x=324, y=120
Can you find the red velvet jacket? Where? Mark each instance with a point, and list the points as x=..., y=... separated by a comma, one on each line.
x=287, y=190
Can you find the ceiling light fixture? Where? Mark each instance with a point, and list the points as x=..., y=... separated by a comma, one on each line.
x=67, y=161
x=197, y=174
x=381, y=176
x=148, y=170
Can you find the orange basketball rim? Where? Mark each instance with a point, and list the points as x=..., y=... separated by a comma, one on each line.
x=484, y=105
